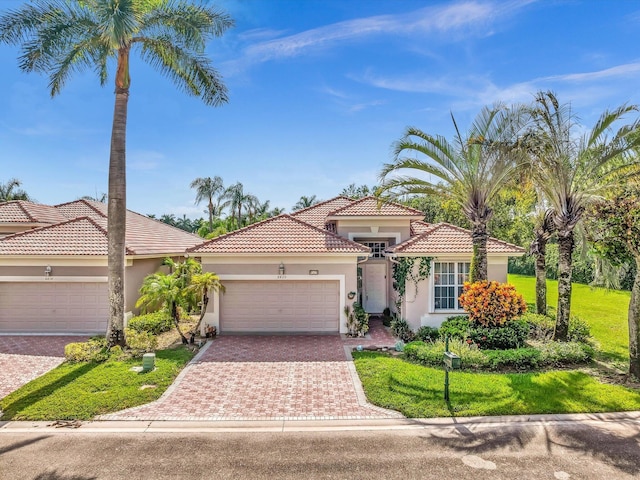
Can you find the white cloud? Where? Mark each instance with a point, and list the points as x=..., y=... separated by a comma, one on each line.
x=476, y=90
x=471, y=16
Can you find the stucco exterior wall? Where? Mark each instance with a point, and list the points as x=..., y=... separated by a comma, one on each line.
x=134, y=276
x=56, y=271
x=418, y=309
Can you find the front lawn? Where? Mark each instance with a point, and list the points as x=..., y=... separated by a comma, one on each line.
x=417, y=391
x=604, y=310
x=86, y=389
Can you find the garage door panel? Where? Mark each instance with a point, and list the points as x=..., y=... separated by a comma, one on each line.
x=56, y=307
x=280, y=306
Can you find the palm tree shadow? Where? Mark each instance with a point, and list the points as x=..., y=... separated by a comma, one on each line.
x=54, y=475
x=620, y=452
x=16, y=446
x=22, y=402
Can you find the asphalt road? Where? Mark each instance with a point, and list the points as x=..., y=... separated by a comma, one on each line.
x=561, y=450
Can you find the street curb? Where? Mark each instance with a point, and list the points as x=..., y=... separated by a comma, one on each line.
x=284, y=426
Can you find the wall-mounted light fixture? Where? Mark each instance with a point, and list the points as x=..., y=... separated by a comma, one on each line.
x=313, y=272
x=281, y=269
x=47, y=271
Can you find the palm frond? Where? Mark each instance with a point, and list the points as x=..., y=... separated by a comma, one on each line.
x=190, y=72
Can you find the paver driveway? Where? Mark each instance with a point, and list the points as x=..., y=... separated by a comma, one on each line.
x=25, y=357
x=273, y=377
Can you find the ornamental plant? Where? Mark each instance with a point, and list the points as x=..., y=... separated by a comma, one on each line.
x=491, y=303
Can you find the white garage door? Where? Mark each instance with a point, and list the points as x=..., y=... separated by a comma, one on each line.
x=280, y=306
x=56, y=307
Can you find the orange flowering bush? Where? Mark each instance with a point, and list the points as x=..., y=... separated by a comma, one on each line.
x=491, y=304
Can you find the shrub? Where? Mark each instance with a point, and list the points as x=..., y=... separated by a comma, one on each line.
x=516, y=358
x=427, y=334
x=510, y=335
x=140, y=342
x=386, y=317
x=431, y=354
x=579, y=330
x=558, y=354
x=456, y=327
x=362, y=317
x=155, y=323
x=93, y=350
x=401, y=329
x=540, y=326
x=491, y=303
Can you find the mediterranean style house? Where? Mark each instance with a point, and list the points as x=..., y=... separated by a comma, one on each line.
x=290, y=273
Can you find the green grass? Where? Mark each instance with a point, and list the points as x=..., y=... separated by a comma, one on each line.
x=604, y=310
x=83, y=390
x=418, y=391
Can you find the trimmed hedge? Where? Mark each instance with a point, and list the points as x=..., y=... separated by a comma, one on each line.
x=512, y=334
x=544, y=355
x=155, y=323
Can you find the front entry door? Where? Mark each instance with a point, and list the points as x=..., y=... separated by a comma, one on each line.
x=375, y=287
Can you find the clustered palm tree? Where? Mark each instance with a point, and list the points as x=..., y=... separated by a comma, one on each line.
x=181, y=289
x=244, y=208
x=472, y=169
x=573, y=171
x=541, y=141
x=63, y=37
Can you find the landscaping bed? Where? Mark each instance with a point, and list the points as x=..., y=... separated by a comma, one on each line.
x=417, y=391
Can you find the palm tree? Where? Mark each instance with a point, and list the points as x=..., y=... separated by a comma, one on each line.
x=11, y=191
x=102, y=198
x=471, y=169
x=572, y=171
x=544, y=229
x=201, y=284
x=206, y=189
x=62, y=37
x=239, y=200
x=305, y=202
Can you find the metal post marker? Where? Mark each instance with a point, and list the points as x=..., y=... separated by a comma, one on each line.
x=446, y=370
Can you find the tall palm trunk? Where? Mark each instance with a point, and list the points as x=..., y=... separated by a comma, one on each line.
x=479, y=238
x=634, y=324
x=541, y=277
x=117, y=207
x=210, y=215
x=538, y=249
x=565, y=251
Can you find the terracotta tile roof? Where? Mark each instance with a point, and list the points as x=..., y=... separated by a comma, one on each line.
x=369, y=207
x=148, y=236
x=446, y=238
x=79, y=236
x=316, y=215
x=83, y=208
x=144, y=236
x=418, y=227
x=21, y=211
x=281, y=234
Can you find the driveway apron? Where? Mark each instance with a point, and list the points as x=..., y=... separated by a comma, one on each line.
x=265, y=377
x=25, y=357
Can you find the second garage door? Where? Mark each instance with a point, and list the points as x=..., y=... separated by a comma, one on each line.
x=280, y=306
x=56, y=307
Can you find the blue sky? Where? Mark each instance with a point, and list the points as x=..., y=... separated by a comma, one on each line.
x=319, y=90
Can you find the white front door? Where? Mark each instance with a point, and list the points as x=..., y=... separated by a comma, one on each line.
x=375, y=287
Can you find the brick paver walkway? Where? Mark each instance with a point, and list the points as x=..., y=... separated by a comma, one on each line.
x=25, y=357
x=271, y=377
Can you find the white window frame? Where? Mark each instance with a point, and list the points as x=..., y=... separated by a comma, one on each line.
x=457, y=284
x=383, y=244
